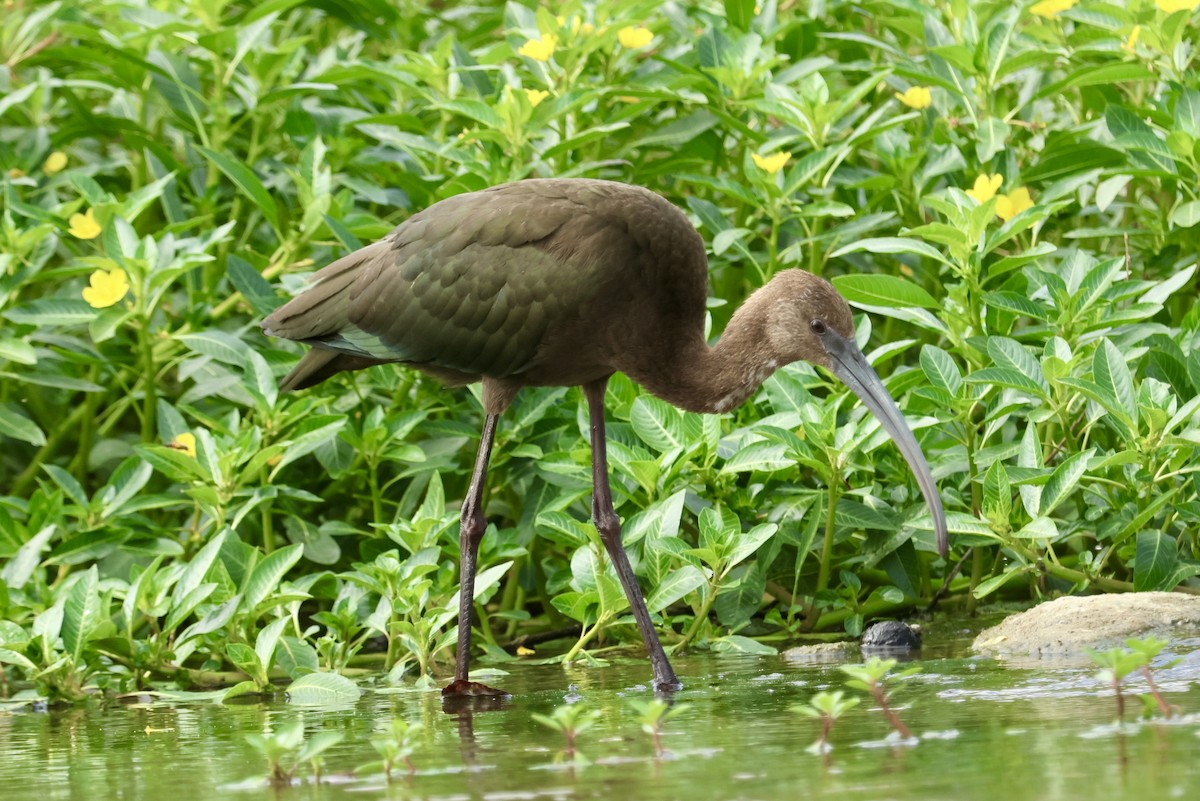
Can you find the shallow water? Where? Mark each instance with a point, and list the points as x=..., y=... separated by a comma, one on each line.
x=987, y=731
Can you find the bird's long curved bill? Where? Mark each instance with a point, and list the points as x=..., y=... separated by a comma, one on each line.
x=849, y=364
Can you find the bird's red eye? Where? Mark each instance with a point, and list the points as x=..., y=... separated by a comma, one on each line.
x=818, y=327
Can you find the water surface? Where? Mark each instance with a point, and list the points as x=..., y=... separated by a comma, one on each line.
x=987, y=731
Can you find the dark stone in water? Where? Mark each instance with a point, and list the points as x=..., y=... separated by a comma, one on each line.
x=890, y=636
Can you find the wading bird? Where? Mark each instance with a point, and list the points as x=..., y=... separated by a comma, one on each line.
x=563, y=282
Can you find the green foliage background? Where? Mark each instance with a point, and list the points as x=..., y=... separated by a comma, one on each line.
x=226, y=149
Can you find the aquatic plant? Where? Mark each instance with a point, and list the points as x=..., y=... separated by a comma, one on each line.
x=1119, y=663
x=871, y=677
x=1030, y=281
x=394, y=746
x=652, y=714
x=570, y=720
x=285, y=749
x=828, y=706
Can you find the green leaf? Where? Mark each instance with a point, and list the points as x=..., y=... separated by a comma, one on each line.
x=1186, y=215
x=737, y=644
x=223, y=347
x=675, y=586
x=267, y=574
x=322, y=689
x=1040, y=528
x=990, y=138
x=249, y=184
x=1063, y=480
x=997, y=492
x=306, y=443
x=52, y=312
x=254, y=288
x=657, y=423
x=750, y=541
x=1156, y=557
x=888, y=291
x=19, y=569
x=268, y=638
x=1011, y=354
x=892, y=244
x=1118, y=72
x=241, y=688
x=81, y=613
x=740, y=13
x=17, y=350
x=246, y=660
x=1006, y=377
x=1017, y=304
x=1113, y=377
x=940, y=369
x=765, y=457
x=15, y=424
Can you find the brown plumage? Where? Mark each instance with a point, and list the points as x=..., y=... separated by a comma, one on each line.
x=562, y=282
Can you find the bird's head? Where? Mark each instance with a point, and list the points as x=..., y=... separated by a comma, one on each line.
x=808, y=319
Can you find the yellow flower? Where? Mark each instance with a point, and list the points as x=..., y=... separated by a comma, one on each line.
x=635, y=38
x=1049, y=9
x=1171, y=6
x=773, y=163
x=523, y=651
x=587, y=28
x=536, y=96
x=55, y=162
x=986, y=187
x=539, y=49
x=84, y=226
x=1012, y=204
x=917, y=97
x=185, y=442
x=1130, y=45
x=106, y=288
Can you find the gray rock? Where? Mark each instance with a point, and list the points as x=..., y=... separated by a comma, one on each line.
x=822, y=653
x=1066, y=626
x=890, y=635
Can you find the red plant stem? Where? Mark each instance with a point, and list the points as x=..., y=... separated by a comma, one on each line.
x=1163, y=706
x=892, y=717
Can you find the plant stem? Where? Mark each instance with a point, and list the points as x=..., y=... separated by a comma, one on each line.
x=268, y=529
x=583, y=640
x=699, y=620
x=20, y=487
x=814, y=613
x=893, y=718
x=149, y=382
x=1163, y=706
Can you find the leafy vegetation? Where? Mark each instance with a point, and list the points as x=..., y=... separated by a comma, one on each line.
x=1009, y=190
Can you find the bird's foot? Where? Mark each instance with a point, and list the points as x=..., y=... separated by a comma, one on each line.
x=671, y=685
x=461, y=688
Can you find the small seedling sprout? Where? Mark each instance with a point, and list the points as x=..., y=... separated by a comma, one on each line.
x=652, y=715
x=828, y=707
x=1119, y=663
x=397, y=745
x=870, y=677
x=279, y=747
x=570, y=720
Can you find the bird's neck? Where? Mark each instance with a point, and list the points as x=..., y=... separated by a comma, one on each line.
x=699, y=378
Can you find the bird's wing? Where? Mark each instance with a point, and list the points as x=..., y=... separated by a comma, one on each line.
x=471, y=284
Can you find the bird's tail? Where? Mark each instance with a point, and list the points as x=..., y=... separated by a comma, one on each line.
x=319, y=364
x=324, y=308
x=321, y=312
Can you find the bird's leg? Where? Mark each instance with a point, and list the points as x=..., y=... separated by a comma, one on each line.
x=473, y=525
x=609, y=526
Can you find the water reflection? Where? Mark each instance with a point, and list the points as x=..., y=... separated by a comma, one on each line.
x=985, y=732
